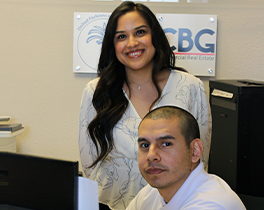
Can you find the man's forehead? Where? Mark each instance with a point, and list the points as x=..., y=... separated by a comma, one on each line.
x=150, y=125
x=163, y=120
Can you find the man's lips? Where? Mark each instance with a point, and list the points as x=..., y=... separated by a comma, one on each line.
x=155, y=170
x=135, y=54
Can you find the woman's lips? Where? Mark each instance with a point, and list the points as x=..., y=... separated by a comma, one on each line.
x=135, y=54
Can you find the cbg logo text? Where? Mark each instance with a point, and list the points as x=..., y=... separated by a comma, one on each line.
x=185, y=34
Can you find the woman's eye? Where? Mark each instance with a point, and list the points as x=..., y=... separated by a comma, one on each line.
x=121, y=36
x=140, y=32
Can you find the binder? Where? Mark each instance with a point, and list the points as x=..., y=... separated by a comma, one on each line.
x=10, y=127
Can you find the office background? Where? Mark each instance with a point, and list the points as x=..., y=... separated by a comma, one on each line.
x=40, y=90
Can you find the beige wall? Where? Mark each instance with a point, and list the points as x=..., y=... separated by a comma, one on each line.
x=39, y=89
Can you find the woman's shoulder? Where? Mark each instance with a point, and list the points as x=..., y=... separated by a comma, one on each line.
x=90, y=87
x=92, y=84
x=188, y=76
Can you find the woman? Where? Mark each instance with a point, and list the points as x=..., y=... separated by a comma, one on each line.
x=136, y=74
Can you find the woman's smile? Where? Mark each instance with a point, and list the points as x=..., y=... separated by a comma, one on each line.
x=135, y=54
x=133, y=42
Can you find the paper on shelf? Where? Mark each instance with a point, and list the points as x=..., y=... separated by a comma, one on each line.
x=88, y=194
x=222, y=93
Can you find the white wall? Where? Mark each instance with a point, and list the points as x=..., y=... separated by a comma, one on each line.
x=39, y=89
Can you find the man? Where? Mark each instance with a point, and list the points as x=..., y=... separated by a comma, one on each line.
x=169, y=159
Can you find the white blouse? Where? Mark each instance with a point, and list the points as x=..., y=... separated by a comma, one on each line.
x=118, y=176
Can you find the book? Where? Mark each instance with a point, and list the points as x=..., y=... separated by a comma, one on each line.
x=10, y=127
x=4, y=118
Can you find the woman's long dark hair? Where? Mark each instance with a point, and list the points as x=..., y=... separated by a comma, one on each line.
x=109, y=100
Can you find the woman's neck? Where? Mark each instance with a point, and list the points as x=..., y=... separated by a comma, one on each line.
x=138, y=77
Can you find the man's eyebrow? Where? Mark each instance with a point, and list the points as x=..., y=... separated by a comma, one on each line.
x=141, y=139
x=159, y=138
x=165, y=137
x=142, y=26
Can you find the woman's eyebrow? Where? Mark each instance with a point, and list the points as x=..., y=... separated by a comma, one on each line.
x=142, y=26
x=139, y=27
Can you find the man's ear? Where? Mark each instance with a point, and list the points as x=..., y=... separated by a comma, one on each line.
x=197, y=150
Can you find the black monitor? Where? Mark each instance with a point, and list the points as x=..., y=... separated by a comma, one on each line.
x=38, y=183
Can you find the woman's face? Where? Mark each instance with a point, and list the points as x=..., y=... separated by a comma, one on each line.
x=133, y=42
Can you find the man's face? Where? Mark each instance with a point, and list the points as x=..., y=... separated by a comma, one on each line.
x=163, y=156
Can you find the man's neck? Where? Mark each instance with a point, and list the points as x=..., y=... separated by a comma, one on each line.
x=168, y=192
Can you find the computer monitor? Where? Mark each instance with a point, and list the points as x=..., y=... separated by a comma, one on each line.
x=38, y=182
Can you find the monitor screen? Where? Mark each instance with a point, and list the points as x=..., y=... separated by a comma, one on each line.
x=38, y=182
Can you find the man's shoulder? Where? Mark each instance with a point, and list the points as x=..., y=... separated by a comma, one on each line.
x=206, y=191
x=147, y=198
x=148, y=192
x=216, y=194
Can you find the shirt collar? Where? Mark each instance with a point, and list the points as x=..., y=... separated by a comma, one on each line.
x=194, y=180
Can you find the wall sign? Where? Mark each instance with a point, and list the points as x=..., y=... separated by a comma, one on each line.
x=192, y=38
x=88, y=35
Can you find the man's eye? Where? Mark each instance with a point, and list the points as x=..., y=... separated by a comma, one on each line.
x=166, y=144
x=144, y=145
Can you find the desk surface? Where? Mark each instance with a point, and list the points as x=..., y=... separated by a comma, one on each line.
x=8, y=207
